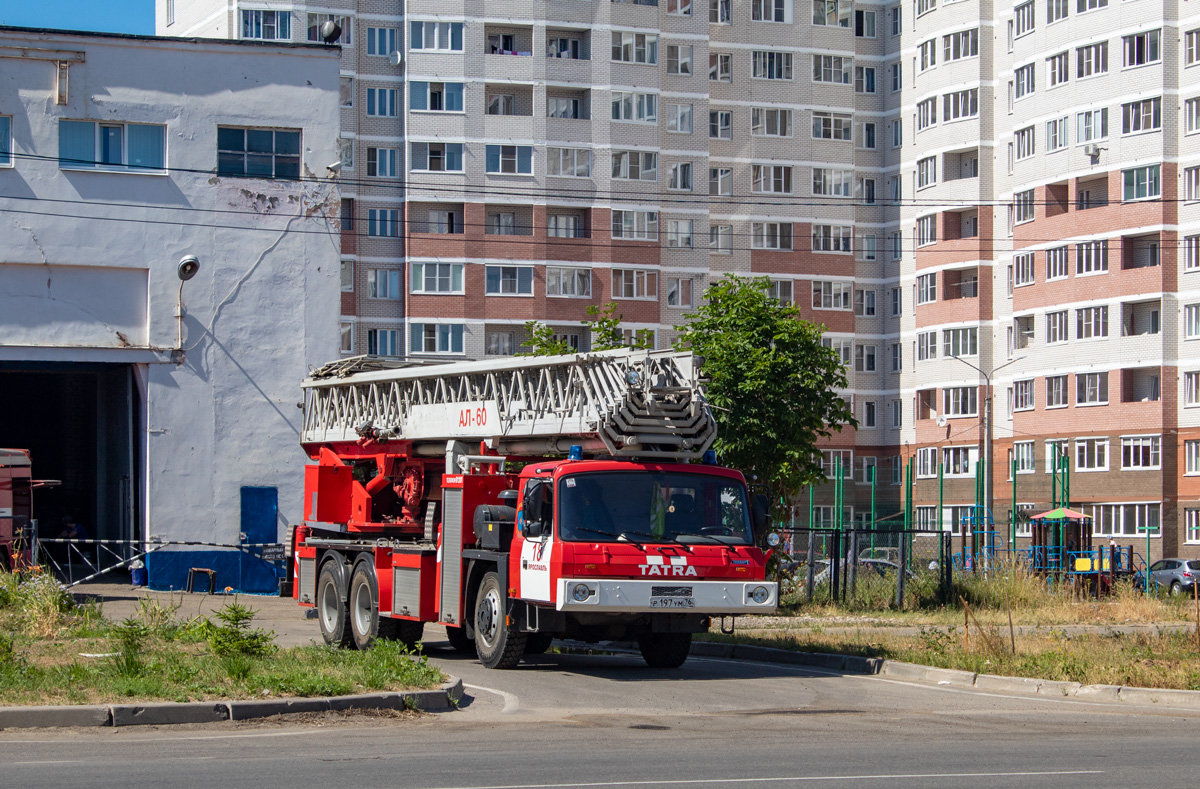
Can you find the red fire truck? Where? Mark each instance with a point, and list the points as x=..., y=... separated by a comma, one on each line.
x=440, y=493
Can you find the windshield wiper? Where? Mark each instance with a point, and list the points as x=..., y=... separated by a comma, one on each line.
x=715, y=539
x=657, y=537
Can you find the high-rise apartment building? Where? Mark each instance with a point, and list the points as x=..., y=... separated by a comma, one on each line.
x=960, y=192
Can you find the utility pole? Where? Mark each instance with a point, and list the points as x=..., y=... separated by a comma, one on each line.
x=987, y=426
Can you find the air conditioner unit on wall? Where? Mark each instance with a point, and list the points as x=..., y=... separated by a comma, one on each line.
x=1092, y=150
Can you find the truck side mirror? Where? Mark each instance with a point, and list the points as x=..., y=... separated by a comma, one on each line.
x=762, y=516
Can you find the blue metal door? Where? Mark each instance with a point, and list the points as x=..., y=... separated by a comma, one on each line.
x=259, y=524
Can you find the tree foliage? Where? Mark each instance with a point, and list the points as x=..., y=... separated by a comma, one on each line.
x=604, y=325
x=771, y=383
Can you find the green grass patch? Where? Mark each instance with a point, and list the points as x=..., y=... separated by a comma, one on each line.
x=53, y=651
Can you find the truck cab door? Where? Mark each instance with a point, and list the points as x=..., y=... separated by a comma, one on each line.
x=535, y=525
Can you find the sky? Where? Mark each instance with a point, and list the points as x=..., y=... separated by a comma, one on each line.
x=105, y=16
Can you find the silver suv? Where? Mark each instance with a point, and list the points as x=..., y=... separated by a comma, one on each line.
x=1177, y=575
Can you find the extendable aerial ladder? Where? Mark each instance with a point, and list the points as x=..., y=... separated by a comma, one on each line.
x=624, y=403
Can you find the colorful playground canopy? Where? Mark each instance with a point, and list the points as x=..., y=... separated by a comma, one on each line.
x=1060, y=514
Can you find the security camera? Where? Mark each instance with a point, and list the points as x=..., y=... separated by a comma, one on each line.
x=334, y=168
x=187, y=268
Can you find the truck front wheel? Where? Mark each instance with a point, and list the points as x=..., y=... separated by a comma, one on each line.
x=665, y=650
x=496, y=644
x=331, y=607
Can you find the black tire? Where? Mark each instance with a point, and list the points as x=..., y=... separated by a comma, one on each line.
x=331, y=607
x=665, y=650
x=495, y=644
x=1176, y=588
x=406, y=631
x=363, y=606
x=460, y=641
x=537, y=643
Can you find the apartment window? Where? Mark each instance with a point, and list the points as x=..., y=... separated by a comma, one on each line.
x=347, y=214
x=928, y=54
x=509, y=280
x=346, y=331
x=720, y=67
x=864, y=79
x=511, y=159
x=832, y=238
x=139, y=147
x=719, y=12
x=1091, y=388
x=503, y=223
x=383, y=222
x=435, y=96
x=720, y=239
x=1091, y=257
x=1056, y=263
x=964, y=44
x=634, y=284
x=1140, y=452
x=1141, y=183
x=679, y=7
x=502, y=104
x=1023, y=396
x=635, y=165
x=1191, y=321
x=267, y=25
x=568, y=282
x=679, y=233
x=960, y=104
x=569, y=162
x=927, y=345
x=679, y=59
x=566, y=107
x=501, y=343
x=926, y=230
x=897, y=357
x=834, y=13
x=780, y=290
x=773, y=65
x=1141, y=116
x=894, y=19
x=866, y=191
x=960, y=342
x=1091, y=60
x=1057, y=69
x=564, y=226
x=1091, y=454
x=830, y=68
x=1125, y=519
x=826, y=182
x=679, y=118
x=565, y=47
x=383, y=284
x=926, y=113
x=1025, y=80
x=829, y=295
x=635, y=107
x=1023, y=203
x=436, y=338
x=437, y=156
x=1142, y=48
x=864, y=24
x=1191, y=391
x=1023, y=269
x=679, y=291
x=443, y=36
x=864, y=303
x=1056, y=327
x=926, y=172
x=1055, y=10
x=720, y=181
x=444, y=222
x=897, y=134
x=634, y=47
x=1091, y=322
x=830, y=126
x=864, y=358
x=960, y=401
x=926, y=288
x=436, y=278
x=1056, y=389
x=1191, y=114
x=381, y=162
x=771, y=10
x=1056, y=135
x=383, y=342
x=381, y=102
x=925, y=6
x=1191, y=245
x=259, y=153
x=1023, y=457
x=5, y=141
x=771, y=235
x=720, y=125
x=766, y=122
x=635, y=225
x=1024, y=16
x=1090, y=5
x=1093, y=125
x=680, y=176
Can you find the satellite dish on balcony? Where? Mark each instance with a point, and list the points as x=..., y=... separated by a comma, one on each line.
x=396, y=56
x=330, y=31
x=941, y=421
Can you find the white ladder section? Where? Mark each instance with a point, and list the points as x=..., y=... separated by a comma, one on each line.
x=629, y=403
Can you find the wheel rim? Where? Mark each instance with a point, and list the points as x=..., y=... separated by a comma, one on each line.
x=329, y=606
x=362, y=609
x=487, y=623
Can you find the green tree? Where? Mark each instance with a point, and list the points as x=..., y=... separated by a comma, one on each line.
x=771, y=383
x=542, y=341
x=604, y=324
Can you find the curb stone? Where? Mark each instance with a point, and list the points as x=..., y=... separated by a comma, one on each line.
x=168, y=713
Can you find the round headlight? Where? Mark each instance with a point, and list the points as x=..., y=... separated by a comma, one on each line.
x=759, y=594
x=581, y=592
x=773, y=539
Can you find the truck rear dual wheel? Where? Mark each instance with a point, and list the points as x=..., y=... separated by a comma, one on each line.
x=496, y=644
x=331, y=608
x=366, y=625
x=665, y=650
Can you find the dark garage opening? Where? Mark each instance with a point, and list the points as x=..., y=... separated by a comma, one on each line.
x=79, y=422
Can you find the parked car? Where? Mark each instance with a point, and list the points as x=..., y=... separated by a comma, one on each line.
x=1177, y=575
x=866, y=567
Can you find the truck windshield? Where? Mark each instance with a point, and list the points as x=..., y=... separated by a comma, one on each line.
x=653, y=507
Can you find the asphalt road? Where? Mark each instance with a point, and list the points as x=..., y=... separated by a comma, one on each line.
x=608, y=721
